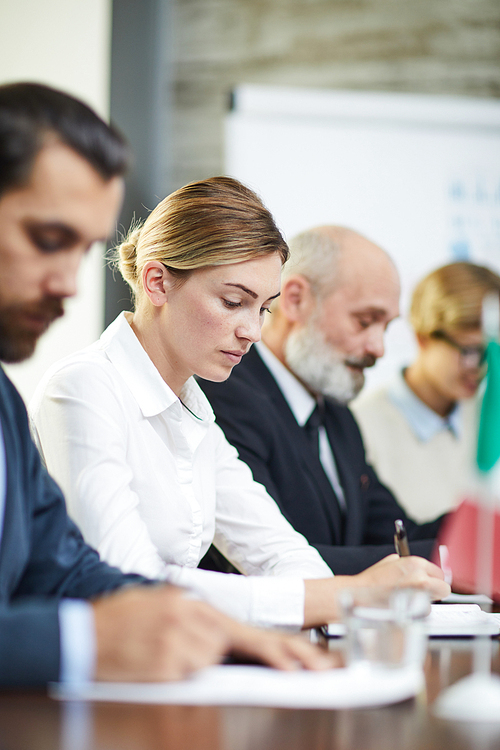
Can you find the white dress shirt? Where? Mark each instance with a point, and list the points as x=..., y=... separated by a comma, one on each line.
x=152, y=481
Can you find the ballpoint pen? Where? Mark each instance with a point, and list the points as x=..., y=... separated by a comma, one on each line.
x=401, y=539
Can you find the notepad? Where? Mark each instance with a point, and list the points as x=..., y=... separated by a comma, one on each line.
x=449, y=620
x=461, y=620
x=260, y=686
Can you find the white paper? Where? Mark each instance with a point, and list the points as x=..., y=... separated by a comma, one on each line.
x=232, y=685
x=461, y=620
x=449, y=620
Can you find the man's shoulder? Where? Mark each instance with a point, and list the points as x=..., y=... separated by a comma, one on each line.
x=12, y=401
x=7, y=385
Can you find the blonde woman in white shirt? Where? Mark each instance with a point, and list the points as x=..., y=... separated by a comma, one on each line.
x=123, y=426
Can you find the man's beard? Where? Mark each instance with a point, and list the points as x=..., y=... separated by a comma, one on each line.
x=321, y=368
x=22, y=325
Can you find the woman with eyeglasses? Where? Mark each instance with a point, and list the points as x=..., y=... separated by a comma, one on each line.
x=419, y=430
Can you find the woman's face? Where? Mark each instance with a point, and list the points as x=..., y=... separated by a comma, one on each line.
x=454, y=374
x=210, y=321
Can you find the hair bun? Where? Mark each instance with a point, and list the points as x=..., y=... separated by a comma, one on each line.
x=127, y=256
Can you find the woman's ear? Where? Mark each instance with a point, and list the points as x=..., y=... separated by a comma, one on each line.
x=156, y=282
x=297, y=299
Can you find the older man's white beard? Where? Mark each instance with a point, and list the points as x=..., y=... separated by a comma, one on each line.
x=314, y=361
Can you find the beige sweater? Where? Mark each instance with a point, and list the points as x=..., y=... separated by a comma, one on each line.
x=427, y=478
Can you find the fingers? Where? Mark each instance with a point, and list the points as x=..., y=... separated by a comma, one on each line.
x=431, y=568
x=412, y=571
x=195, y=636
x=151, y=634
x=301, y=654
x=183, y=653
x=190, y=643
x=413, y=563
x=154, y=634
x=280, y=651
x=420, y=573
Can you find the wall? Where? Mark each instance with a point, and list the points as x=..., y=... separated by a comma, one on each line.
x=429, y=46
x=65, y=44
x=426, y=46
x=417, y=174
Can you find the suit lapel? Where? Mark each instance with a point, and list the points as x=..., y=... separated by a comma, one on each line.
x=14, y=531
x=304, y=456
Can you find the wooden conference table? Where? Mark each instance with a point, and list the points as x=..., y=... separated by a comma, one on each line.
x=31, y=720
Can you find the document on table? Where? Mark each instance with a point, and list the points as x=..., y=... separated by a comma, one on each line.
x=461, y=620
x=234, y=685
x=449, y=620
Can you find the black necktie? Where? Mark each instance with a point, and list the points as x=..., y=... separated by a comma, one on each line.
x=313, y=424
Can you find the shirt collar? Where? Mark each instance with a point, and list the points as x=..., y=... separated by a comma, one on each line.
x=149, y=389
x=424, y=422
x=298, y=398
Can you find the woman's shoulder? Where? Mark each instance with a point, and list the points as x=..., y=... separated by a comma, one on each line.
x=84, y=374
x=89, y=365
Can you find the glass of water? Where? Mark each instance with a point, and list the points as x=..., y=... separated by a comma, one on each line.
x=384, y=627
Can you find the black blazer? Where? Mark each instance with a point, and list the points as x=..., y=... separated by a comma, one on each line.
x=257, y=420
x=42, y=556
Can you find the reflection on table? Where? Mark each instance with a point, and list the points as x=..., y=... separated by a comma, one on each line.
x=31, y=720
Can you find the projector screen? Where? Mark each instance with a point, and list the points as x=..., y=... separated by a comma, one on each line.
x=419, y=175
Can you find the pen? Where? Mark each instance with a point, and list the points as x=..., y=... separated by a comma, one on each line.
x=400, y=539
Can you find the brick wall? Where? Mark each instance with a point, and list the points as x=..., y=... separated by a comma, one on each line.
x=421, y=46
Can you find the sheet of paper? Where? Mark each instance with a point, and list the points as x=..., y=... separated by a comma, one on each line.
x=232, y=685
x=452, y=620
x=461, y=620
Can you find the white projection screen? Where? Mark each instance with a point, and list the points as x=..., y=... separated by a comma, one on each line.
x=419, y=175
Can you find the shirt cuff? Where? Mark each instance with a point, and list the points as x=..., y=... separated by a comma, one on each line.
x=268, y=601
x=77, y=639
x=278, y=602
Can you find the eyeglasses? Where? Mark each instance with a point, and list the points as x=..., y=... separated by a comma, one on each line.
x=470, y=356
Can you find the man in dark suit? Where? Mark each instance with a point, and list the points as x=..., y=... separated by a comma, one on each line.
x=284, y=406
x=60, y=189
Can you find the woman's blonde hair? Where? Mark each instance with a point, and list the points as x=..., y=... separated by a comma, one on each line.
x=207, y=223
x=450, y=298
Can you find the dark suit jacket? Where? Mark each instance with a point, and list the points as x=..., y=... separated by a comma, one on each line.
x=42, y=556
x=257, y=420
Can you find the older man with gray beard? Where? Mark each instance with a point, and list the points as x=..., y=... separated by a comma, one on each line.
x=284, y=406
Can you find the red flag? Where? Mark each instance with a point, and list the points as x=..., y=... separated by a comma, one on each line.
x=459, y=533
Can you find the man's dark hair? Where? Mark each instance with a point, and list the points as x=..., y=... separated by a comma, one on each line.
x=32, y=112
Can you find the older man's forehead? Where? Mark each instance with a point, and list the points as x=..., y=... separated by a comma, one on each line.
x=364, y=296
